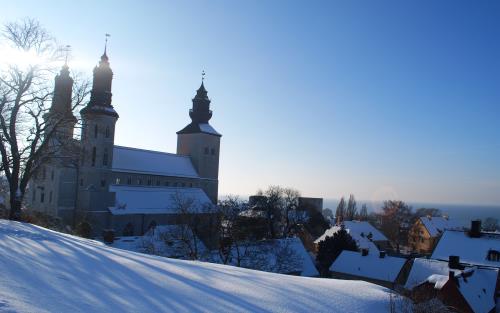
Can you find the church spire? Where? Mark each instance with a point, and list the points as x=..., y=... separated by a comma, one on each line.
x=100, y=95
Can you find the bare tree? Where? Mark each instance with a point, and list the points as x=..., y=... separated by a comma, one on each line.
x=26, y=137
x=340, y=212
x=351, y=210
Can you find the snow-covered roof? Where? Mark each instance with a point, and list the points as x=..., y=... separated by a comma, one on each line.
x=43, y=270
x=207, y=128
x=423, y=268
x=165, y=240
x=156, y=200
x=274, y=256
x=132, y=160
x=359, y=231
x=477, y=286
x=371, y=266
x=435, y=225
x=470, y=250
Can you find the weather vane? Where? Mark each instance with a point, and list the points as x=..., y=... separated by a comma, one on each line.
x=66, y=49
x=106, y=42
x=202, y=75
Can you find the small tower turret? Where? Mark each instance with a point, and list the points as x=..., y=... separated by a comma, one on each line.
x=201, y=142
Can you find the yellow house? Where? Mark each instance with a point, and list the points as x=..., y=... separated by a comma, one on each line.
x=425, y=232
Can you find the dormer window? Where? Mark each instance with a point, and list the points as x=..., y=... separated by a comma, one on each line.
x=493, y=255
x=206, y=150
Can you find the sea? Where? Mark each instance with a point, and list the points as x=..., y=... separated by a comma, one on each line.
x=461, y=212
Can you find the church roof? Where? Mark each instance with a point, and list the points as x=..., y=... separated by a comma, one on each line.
x=195, y=128
x=156, y=200
x=139, y=161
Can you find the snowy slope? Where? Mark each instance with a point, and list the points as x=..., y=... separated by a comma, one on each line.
x=46, y=271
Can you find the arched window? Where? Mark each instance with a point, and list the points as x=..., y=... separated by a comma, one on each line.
x=95, y=131
x=94, y=152
x=107, y=131
x=105, y=157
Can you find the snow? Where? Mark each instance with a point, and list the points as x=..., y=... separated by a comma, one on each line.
x=132, y=160
x=359, y=230
x=435, y=225
x=470, y=250
x=46, y=271
x=423, y=268
x=207, y=128
x=272, y=256
x=370, y=266
x=477, y=286
x=156, y=200
x=163, y=240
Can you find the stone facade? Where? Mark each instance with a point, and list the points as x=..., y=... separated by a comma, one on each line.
x=75, y=182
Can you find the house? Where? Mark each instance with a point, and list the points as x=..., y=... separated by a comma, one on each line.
x=284, y=256
x=425, y=232
x=375, y=267
x=87, y=179
x=467, y=289
x=474, y=247
x=365, y=235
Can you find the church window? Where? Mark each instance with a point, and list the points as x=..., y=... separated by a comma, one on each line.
x=95, y=131
x=105, y=157
x=103, y=183
x=129, y=180
x=50, y=197
x=117, y=181
x=52, y=175
x=149, y=182
x=206, y=150
x=212, y=151
x=107, y=131
x=42, y=197
x=93, y=156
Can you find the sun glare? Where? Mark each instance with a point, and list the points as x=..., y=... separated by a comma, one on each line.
x=10, y=56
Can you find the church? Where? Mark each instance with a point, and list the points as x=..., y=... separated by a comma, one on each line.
x=122, y=188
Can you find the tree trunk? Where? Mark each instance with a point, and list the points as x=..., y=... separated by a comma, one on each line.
x=15, y=206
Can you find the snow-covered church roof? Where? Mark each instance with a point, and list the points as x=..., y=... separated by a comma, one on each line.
x=139, y=161
x=157, y=200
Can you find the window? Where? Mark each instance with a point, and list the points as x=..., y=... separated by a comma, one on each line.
x=107, y=131
x=105, y=157
x=212, y=151
x=191, y=185
x=93, y=155
x=81, y=181
x=128, y=230
x=117, y=181
x=139, y=181
x=103, y=183
x=158, y=182
x=95, y=131
x=34, y=195
x=129, y=180
x=183, y=184
x=175, y=184
x=149, y=182
x=167, y=183
x=206, y=150
x=493, y=255
x=44, y=173
x=50, y=197
x=42, y=197
x=52, y=175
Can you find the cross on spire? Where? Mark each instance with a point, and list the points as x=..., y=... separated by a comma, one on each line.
x=66, y=49
x=202, y=76
x=106, y=42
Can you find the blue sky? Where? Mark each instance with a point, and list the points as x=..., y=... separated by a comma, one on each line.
x=382, y=99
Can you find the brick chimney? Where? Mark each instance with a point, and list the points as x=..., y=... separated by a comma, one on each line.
x=475, y=229
x=382, y=254
x=454, y=262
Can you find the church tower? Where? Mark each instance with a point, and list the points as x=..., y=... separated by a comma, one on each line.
x=98, y=131
x=60, y=115
x=201, y=142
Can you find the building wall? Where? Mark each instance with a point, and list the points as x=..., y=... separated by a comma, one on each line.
x=203, y=149
x=419, y=238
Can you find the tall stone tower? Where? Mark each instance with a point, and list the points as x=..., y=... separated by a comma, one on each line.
x=201, y=142
x=98, y=132
x=60, y=118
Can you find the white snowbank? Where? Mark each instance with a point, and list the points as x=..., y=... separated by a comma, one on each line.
x=46, y=271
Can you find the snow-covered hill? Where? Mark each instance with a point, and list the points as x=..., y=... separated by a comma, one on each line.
x=46, y=271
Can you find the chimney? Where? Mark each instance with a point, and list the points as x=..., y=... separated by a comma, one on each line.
x=382, y=254
x=475, y=229
x=364, y=251
x=454, y=262
x=451, y=276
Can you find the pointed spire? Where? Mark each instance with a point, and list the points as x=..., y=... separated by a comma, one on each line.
x=104, y=57
x=202, y=93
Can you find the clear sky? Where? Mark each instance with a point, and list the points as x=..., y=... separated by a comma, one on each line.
x=383, y=99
